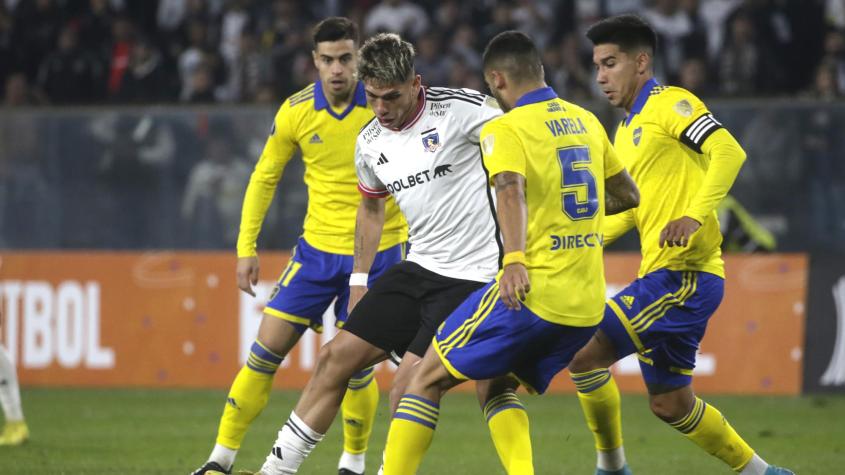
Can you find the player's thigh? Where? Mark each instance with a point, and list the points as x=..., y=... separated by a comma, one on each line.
x=306, y=287
x=278, y=335
x=630, y=314
x=431, y=374
x=674, y=338
x=347, y=354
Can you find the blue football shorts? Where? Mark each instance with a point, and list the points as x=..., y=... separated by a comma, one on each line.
x=313, y=278
x=662, y=317
x=483, y=339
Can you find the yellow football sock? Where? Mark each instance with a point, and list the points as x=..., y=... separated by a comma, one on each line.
x=248, y=395
x=410, y=434
x=602, y=407
x=708, y=429
x=359, y=411
x=508, y=423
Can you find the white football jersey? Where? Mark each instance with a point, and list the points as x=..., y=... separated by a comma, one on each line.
x=433, y=169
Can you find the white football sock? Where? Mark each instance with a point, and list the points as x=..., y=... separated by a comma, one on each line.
x=756, y=466
x=223, y=455
x=296, y=440
x=611, y=460
x=10, y=392
x=353, y=462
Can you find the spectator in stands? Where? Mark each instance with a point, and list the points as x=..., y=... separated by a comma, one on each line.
x=71, y=75
x=673, y=27
x=95, y=28
x=397, y=16
x=211, y=206
x=693, y=77
x=823, y=167
x=201, y=86
x=745, y=67
x=147, y=79
x=251, y=69
x=430, y=61
x=19, y=94
x=834, y=50
x=37, y=25
x=123, y=36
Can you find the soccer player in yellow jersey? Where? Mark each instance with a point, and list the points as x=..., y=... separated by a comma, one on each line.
x=552, y=165
x=684, y=162
x=323, y=121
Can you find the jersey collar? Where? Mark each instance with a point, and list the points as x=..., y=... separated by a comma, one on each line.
x=642, y=97
x=320, y=101
x=537, y=95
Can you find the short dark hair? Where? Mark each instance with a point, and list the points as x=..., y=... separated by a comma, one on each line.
x=628, y=31
x=386, y=59
x=335, y=28
x=516, y=54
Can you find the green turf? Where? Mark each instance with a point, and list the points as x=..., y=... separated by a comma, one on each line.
x=171, y=432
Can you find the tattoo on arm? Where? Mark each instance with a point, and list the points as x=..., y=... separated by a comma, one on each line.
x=620, y=193
x=506, y=180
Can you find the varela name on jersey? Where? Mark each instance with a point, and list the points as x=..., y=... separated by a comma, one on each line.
x=433, y=169
x=564, y=154
x=661, y=143
x=326, y=138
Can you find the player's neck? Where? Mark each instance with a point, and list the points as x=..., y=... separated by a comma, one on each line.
x=524, y=88
x=641, y=80
x=413, y=110
x=339, y=101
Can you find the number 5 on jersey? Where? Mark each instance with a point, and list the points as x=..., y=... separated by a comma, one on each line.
x=575, y=177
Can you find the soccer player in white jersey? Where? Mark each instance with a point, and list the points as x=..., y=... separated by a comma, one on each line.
x=423, y=149
x=15, y=432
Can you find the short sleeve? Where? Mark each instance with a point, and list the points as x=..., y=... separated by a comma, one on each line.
x=368, y=183
x=488, y=111
x=686, y=118
x=502, y=149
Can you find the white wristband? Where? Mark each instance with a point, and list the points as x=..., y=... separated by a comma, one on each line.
x=358, y=278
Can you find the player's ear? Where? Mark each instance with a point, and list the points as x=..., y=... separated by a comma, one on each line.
x=314, y=57
x=643, y=62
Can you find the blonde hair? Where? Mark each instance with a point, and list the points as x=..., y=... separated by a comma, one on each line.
x=386, y=59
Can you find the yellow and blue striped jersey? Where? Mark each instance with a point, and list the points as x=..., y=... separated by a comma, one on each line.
x=327, y=140
x=564, y=154
x=660, y=143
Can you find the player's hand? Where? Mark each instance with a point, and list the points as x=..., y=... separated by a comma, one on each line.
x=679, y=232
x=247, y=274
x=514, y=285
x=356, y=293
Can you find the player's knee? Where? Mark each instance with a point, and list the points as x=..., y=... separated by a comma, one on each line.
x=334, y=363
x=667, y=409
x=583, y=362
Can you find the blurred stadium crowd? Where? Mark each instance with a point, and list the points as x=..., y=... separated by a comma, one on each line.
x=171, y=176
x=207, y=51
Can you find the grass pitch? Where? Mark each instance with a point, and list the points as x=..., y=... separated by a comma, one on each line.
x=134, y=431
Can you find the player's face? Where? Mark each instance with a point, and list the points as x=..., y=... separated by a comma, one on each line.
x=393, y=103
x=617, y=73
x=337, y=63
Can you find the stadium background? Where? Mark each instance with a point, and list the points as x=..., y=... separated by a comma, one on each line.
x=129, y=129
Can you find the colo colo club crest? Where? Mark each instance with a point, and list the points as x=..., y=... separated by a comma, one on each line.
x=431, y=142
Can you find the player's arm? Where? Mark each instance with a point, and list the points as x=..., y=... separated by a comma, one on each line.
x=512, y=213
x=369, y=223
x=278, y=150
x=705, y=135
x=620, y=193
